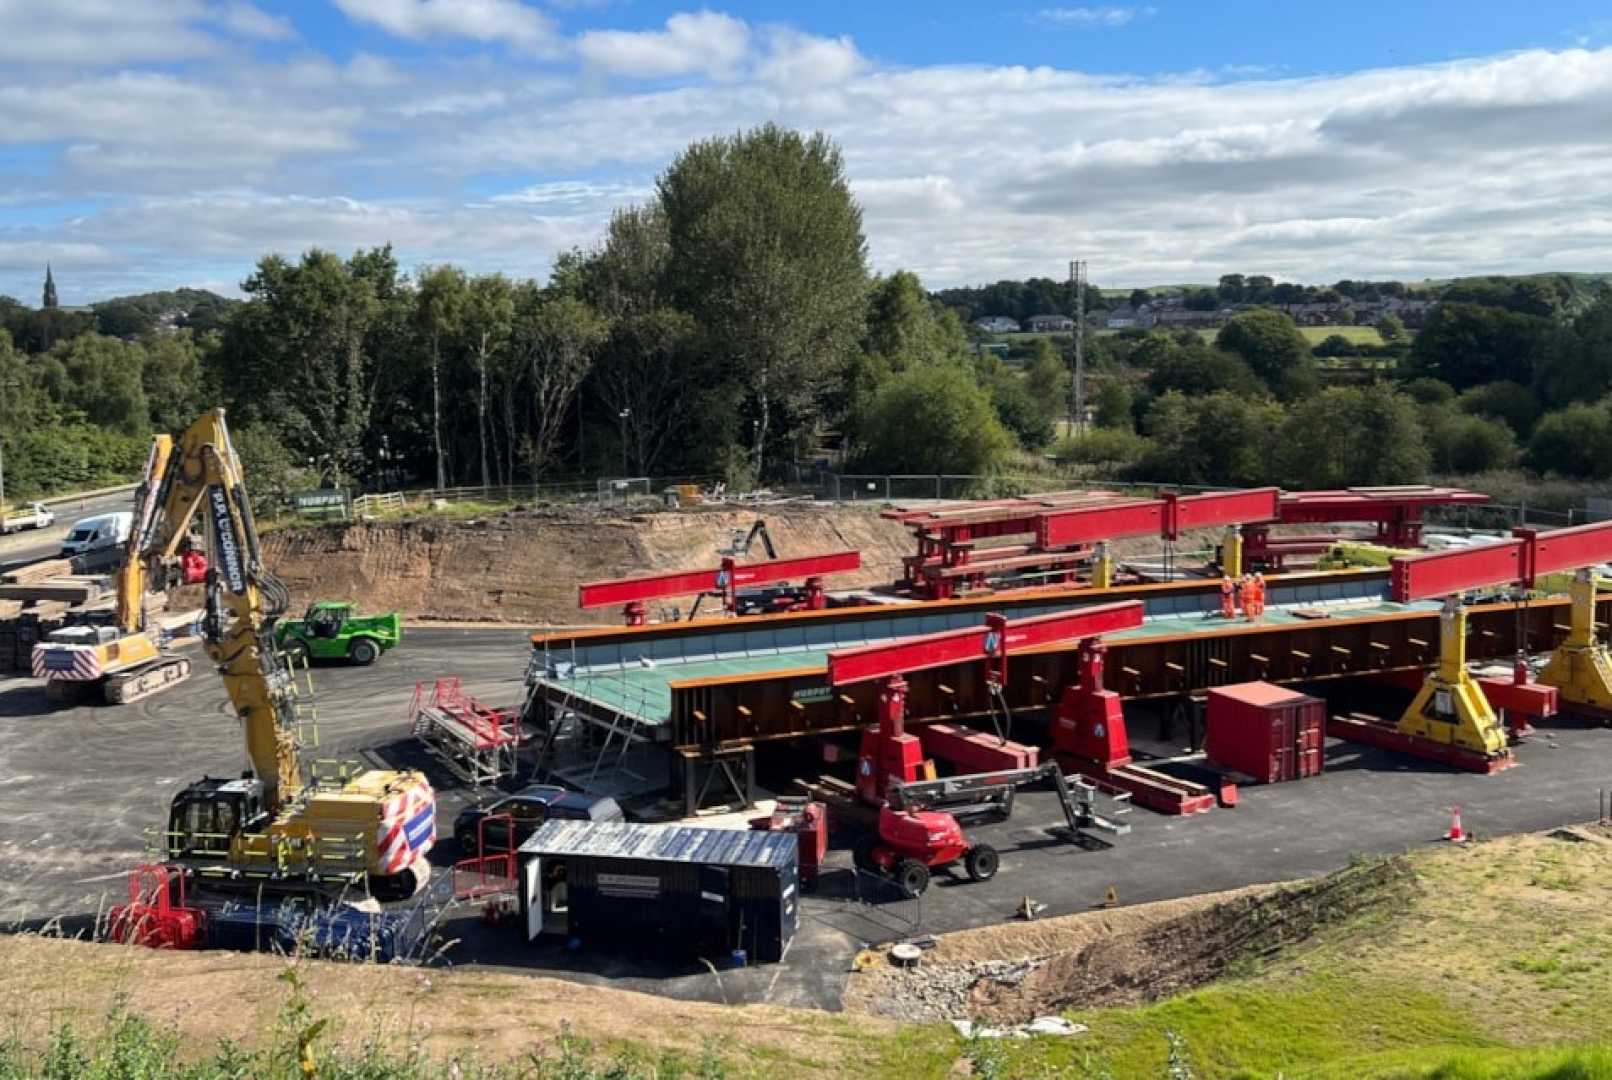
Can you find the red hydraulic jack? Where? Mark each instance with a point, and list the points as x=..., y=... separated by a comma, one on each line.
x=1089, y=738
x=890, y=753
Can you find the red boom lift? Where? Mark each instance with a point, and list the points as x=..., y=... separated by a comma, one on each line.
x=1452, y=719
x=725, y=580
x=913, y=836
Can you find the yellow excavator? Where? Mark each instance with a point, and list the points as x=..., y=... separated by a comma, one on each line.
x=125, y=660
x=279, y=827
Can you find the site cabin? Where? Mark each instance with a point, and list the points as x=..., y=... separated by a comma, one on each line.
x=682, y=890
x=333, y=630
x=33, y=516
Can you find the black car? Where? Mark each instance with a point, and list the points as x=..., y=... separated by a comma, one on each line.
x=529, y=808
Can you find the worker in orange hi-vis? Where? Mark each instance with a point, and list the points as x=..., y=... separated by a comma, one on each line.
x=1248, y=600
x=1228, y=599
x=1259, y=595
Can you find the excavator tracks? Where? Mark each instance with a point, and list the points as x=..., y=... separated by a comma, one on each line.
x=141, y=682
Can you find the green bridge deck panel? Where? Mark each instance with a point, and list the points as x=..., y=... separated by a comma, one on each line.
x=645, y=692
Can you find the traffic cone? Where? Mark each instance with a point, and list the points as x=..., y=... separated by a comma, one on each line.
x=1456, y=835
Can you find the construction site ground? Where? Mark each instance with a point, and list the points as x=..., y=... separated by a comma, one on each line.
x=80, y=785
x=1483, y=960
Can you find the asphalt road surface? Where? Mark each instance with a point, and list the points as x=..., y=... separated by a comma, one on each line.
x=31, y=545
x=79, y=785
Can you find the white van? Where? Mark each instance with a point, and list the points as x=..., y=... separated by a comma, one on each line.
x=97, y=533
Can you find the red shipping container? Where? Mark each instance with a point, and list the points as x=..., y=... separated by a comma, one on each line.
x=1268, y=732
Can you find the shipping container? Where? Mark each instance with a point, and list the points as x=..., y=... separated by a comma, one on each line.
x=706, y=892
x=1266, y=732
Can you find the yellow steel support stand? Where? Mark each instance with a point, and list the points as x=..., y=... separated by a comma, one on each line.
x=1451, y=708
x=1102, y=567
x=1231, y=553
x=1580, y=668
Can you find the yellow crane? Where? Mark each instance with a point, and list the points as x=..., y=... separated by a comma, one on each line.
x=279, y=826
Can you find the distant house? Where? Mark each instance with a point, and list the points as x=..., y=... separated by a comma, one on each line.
x=1124, y=318
x=1040, y=324
x=997, y=324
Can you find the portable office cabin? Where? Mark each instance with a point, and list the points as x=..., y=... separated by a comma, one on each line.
x=706, y=891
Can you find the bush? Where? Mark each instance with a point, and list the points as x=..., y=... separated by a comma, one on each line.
x=933, y=419
x=1429, y=391
x=1347, y=436
x=1471, y=444
x=1575, y=441
x=1336, y=345
x=1508, y=401
x=1111, y=447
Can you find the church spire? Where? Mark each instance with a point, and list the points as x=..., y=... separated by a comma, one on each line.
x=50, y=288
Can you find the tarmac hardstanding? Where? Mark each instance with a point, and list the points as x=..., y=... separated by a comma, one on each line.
x=79, y=786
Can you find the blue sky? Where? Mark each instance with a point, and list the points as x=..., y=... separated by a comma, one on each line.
x=149, y=145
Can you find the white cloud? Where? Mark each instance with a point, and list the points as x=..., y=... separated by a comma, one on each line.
x=105, y=33
x=507, y=21
x=964, y=172
x=802, y=60
x=1107, y=15
x=245, y=20
x=703, y=42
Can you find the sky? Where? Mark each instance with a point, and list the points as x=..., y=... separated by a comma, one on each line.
x=148, y=144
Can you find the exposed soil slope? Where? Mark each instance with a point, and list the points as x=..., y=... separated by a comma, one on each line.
x=524, y=566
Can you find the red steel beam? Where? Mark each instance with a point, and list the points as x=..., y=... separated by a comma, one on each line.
x=594, y=594
x=1569, y=549
x=1444, y=573
x=1220, y=508
x=1085, y=525
x=972, y=643
x=1530, y=555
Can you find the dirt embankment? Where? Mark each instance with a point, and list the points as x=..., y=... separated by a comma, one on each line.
x=523, y=566
x=1015, y=972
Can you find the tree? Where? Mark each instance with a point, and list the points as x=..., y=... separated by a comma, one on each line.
x=1218, y=438
x=1113, y=405
x=1027, y=418
x=298, y=355
x=272, y=474
x=1467, y=345
x=557, y=338
x=1272, y=347
x=933, y=419
x=1426, y=391
x=767, y=255
x=648, y=371
x=172, y=376
x=1507, y=401
x=1139, y=297
x=1336, y=345
x=1231, y=289
x=1390, y=328
x=439, y=311
x=1576, y=365
x=904, y=327
x=1047, y=380
x=103, y=382
x=488, y=317
x=1348, y=436
x=1575, y=441
x=1461, y=443
x=1194, y=368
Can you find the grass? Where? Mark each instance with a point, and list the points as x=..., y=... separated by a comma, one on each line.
x=1315, y=335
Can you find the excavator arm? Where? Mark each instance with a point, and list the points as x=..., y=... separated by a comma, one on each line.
x=200, y=473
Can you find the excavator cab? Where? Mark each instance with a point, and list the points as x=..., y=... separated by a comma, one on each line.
x=205, y=818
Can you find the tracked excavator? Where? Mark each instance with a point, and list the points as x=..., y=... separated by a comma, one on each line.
x=280, y=827
x=127, y=659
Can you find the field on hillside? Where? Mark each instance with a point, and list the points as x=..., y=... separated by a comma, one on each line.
x=1485, y=961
